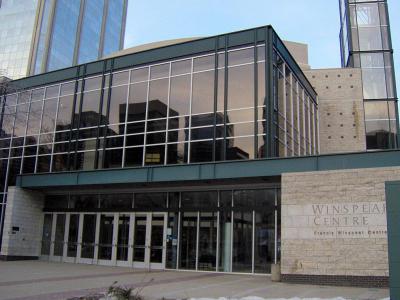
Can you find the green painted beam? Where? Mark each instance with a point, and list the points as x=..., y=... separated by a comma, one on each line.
x=392, y=189
x=213, y=171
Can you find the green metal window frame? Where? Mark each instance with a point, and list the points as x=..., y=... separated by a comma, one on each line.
x=224, y=42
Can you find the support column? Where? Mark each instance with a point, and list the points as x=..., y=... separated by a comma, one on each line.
x=23, y=224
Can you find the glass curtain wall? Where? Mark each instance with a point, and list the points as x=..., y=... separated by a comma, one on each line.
x=89, y=44
x=62, y=47
x=225, y=231
x=74, y=32
x=296, y=113
x=169, y=113
x=366, y=24
x=209, y=107
x=17, y=22
x=113, y=33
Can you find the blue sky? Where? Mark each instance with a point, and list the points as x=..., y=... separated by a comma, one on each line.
x=315, y=22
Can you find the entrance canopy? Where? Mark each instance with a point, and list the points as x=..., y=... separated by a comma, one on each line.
x=212, y=171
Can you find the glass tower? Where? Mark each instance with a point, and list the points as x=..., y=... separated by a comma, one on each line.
x=16, y=27
x=71, y=32
x=38, y=36
x=366, y=44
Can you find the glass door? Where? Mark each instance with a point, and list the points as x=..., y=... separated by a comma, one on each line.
x=139, y=241
x=58, y=245
x=124, y=222
x=87, y=245
x=106, y=240
x=157, y=243
x=72, y=239
x=149, y=241
x=46, y=236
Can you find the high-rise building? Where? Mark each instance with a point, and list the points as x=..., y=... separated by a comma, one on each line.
x=366, y=44
x=16, y=26
x=45, y=35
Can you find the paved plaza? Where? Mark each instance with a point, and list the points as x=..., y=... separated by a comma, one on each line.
x=45, y=280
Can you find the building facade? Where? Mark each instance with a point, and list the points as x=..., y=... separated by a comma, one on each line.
x=220, y=154
x=57, y=34
x=366, y=44
x=212, y=103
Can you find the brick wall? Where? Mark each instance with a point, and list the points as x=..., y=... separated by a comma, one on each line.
x=24, y=212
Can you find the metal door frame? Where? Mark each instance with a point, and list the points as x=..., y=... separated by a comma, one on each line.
x=147, y=264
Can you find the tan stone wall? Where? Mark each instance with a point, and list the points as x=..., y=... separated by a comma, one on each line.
x=341, y=110
x=25, y=211
x=303, y=251
x=299, y=51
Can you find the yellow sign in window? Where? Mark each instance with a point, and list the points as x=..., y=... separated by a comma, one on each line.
x=153, y=158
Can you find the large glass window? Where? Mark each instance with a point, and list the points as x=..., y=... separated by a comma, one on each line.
x=64, y=116
x=199, y=200
x=35, y=115
x=203, y=92
x=367, y=14
x=369, y=29
x=242, y=242
x=168, y=113
x=49, y=115
x=137, y=102
x=241, y=86
x=188, y=241
x=158, y=99
x=179, y=102
x=207, y=241
x=117, y=111
x=89, y=115
x=373, y=75
x=380, y=123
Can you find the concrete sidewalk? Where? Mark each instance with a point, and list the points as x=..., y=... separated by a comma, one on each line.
x=44, y=280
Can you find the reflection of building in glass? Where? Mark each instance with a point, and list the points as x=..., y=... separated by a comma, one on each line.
x=366, y=44
x=55, y=34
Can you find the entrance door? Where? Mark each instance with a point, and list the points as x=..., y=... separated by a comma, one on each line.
x=57, y=249
x=86, y=248
x=71, y=251
x=106, y=246
x=123, y=249
x=46, y=236
x=149, y=240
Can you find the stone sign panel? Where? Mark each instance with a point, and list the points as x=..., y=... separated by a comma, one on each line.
x=339, y=220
